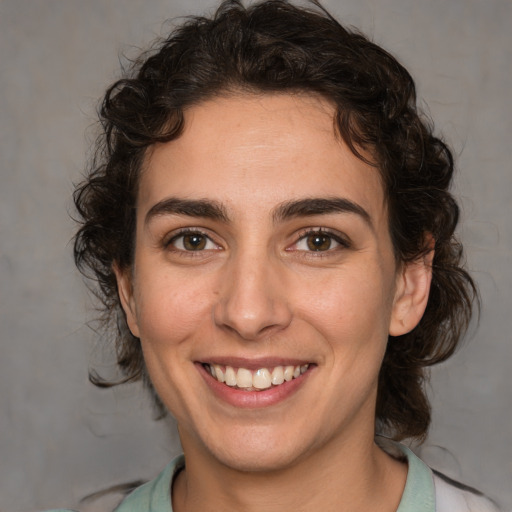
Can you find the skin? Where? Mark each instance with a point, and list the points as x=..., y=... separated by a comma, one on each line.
x=256, y=290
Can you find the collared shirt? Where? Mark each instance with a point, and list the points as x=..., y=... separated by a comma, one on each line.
x=424, y=491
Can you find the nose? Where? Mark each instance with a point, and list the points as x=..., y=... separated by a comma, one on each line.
x=252, y=300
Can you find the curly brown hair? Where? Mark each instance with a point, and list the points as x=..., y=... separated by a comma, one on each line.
x=274, y=46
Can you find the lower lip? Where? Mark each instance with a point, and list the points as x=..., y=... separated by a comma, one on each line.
x=253, y=399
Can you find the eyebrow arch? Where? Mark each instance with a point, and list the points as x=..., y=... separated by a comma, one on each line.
x=201, y=208
x=320, y=206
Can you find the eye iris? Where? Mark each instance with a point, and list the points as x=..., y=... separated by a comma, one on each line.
x=194, y=242
x=319, y=242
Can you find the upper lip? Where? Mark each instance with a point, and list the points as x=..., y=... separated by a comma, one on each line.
x=254, y=363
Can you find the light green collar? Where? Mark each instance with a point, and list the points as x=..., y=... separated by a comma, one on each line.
x=155, y=496
x=419, y=493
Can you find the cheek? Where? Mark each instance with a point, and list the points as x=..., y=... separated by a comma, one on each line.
x=170, y=309
x=351, y=310
x=171, y=312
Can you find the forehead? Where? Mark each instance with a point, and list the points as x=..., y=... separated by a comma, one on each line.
x=255, y=151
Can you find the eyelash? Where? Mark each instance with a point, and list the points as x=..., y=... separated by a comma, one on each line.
x=169, y=244
x=343, y=242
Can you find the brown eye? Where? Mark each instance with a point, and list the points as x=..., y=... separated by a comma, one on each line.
x=194, y=242
x=319, y=242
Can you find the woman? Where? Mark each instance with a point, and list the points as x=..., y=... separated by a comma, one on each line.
x=270, y=225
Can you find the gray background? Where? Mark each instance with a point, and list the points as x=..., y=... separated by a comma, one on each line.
x=61, y=438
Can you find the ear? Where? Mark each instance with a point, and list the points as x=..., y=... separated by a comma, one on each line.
x=126, y=296
x=411, y=295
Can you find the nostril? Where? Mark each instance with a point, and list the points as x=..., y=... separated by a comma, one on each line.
x=251, y=327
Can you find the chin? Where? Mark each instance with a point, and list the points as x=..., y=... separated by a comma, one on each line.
x=258, y=450
x=263, y=460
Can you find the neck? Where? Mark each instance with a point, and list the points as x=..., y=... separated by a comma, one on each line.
x=347, y=477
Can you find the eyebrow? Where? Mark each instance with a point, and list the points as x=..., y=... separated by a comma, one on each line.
x=201, y=208
x=309, y=207
x=211, y=209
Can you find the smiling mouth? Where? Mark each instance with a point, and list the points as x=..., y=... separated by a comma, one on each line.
x=257, y=380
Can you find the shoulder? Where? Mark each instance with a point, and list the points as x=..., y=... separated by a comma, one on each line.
x=427, y=490
x=153, y=495
x=454, y=496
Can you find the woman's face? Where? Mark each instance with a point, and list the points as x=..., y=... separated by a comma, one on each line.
x=263, y=256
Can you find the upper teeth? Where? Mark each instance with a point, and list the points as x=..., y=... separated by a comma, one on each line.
x=263, y=378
